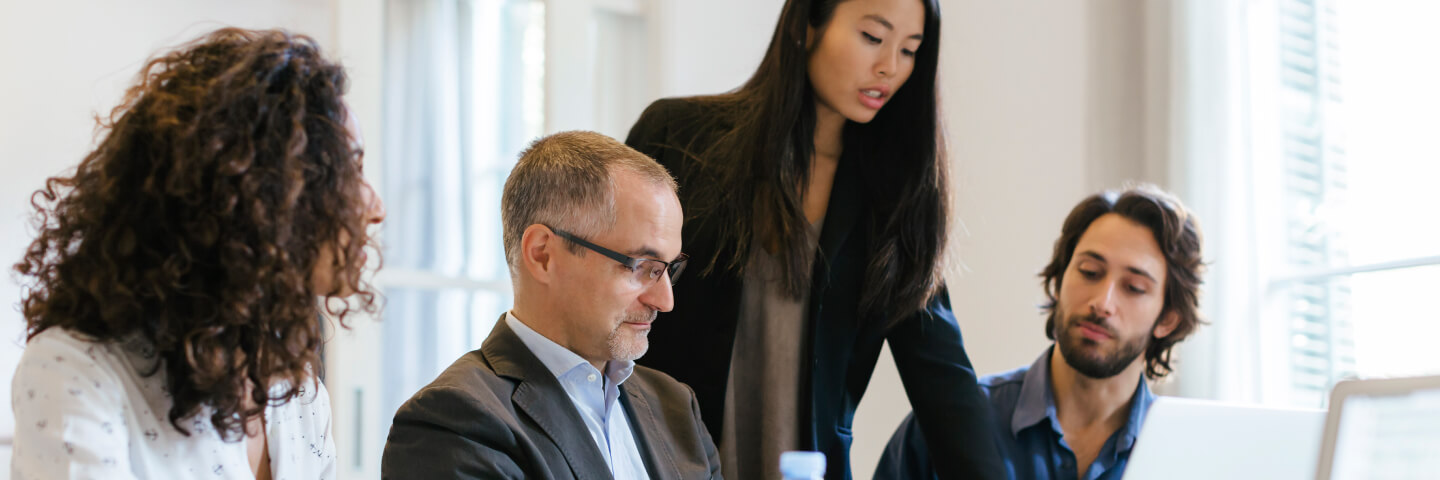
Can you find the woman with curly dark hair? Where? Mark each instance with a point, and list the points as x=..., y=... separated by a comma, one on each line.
x=174, y=286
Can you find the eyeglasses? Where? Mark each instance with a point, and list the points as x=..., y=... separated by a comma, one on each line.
x=645, y=270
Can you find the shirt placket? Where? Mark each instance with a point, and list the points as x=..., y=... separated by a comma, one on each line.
x=587, y=381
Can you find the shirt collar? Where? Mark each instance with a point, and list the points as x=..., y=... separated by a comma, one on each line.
x=560, y=360
x=1037, y=402
x=1139, y=407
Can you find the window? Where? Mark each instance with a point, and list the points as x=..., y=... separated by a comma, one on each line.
x=451, y=134
x=1334, y=238
x=1314, y=180
x=462, y=92
x=1355, y=160
x=467, y=85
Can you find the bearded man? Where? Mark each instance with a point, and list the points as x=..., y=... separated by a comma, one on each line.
x=1122, y=291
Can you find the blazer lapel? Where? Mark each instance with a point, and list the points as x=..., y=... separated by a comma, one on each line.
x=842, y=213
x=841, y=219
x=541, y=397
x=649, y=434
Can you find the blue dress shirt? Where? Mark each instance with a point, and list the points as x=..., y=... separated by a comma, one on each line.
x=1031, y=443
x=595, y=396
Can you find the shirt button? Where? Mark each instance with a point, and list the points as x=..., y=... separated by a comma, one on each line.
x=591, y=377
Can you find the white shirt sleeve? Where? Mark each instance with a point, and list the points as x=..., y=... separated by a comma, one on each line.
x=69, y=414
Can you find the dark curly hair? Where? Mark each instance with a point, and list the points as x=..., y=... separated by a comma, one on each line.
x=1178, y=234
x=219, y=182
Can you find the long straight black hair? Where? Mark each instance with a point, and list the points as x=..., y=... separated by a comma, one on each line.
x=761, y=159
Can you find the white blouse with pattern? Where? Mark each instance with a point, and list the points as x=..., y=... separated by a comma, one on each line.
x=84, y=410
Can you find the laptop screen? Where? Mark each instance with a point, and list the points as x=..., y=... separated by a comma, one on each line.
x=1385, y=433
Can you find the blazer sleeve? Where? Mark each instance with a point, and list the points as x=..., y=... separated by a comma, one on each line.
x=444, y=432
x=948, y=405
x=712, y=454
x=906, y=457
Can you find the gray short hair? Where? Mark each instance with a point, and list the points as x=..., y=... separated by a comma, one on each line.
x=566, y=180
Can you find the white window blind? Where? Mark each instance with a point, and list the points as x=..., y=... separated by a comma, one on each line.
x=1314, y=165
x=1306, y=144
x=1354, y=172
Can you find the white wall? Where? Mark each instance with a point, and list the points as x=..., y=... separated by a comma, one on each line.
x=710, y=47
x=63, y=63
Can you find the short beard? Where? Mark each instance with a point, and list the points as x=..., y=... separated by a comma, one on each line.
x=1096, y=368
x=628, y=350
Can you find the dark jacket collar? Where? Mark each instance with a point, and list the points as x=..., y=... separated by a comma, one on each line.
x=539, y=395
x=843, y=210
x=641, y=407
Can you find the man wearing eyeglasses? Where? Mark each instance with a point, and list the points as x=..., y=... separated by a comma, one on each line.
x=592, y=238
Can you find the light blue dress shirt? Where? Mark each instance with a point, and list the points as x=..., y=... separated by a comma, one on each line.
x=596, y=398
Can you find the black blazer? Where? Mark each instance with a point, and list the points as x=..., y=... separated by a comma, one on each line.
x=499, y=413
x=693, y=342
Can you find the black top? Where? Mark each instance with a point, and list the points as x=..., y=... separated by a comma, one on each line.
x=694, y=341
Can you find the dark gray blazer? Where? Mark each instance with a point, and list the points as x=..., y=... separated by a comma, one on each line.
x=497, y=412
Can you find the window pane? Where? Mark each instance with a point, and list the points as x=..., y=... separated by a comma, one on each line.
x=453, y=135
x=1362, y=160
x=1378, y=324
x=464, y=95
x=1396, y=323
x=1355, y=169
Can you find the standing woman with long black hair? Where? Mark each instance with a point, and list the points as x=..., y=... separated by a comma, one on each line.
x=817, y=204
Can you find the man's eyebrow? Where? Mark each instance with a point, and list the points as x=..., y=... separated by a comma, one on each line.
x=1142, y=272
x=886, y=23
x=644, y=251
x=1135, y=270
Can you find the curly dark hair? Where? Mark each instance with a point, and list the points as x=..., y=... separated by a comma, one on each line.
x=1178, y=234
x=219, y=182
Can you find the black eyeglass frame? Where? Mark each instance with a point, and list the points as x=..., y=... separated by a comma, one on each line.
x=672, y=268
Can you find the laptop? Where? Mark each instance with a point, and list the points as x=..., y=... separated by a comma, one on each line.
x=1199, y=439
x=1387, y=428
